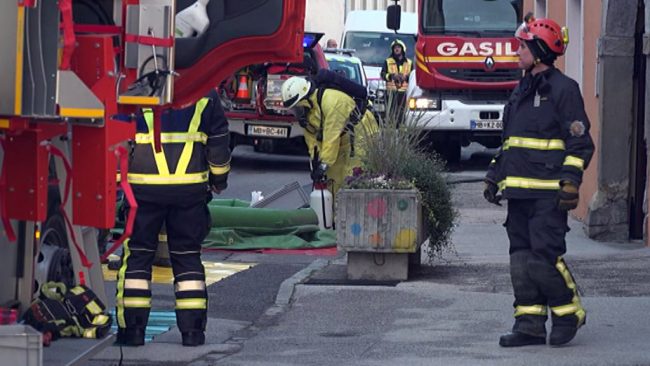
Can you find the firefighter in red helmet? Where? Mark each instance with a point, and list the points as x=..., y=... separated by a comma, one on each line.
x=545, y=149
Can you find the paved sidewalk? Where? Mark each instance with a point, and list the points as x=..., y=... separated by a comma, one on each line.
x=449, y=313
x=453, y=312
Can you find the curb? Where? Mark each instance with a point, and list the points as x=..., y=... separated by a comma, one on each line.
x=285, y=292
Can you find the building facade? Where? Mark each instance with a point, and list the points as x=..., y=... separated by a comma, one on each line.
x=607, y=55
x=328, y=16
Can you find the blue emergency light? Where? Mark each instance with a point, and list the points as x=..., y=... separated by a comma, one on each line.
x=309, y=40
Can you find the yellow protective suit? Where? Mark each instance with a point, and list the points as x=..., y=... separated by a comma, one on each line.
x=335, y=147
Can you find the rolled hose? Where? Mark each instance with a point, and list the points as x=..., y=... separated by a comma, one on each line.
x=237, y=213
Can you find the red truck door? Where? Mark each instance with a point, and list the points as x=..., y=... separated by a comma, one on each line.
x=240, y=33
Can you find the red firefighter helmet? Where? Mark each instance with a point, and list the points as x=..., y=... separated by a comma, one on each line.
x=556, y=38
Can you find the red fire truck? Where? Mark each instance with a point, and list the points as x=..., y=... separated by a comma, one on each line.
x=465, y=69
x=75, y=74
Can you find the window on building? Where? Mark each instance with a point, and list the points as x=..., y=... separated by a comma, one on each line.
x=540, y=8
x=573, y=63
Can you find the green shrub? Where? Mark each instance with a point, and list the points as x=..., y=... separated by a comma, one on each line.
x=394, y=156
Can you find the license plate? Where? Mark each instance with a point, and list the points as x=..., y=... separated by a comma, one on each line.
x=268, y=131
x=486, y=125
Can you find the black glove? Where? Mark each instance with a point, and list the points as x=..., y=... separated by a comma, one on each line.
x=218, y=182
x=490, y=192
x=567, y=196
x=318, y=174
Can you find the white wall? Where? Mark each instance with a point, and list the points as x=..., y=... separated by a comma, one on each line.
x=325, y=16
x=573, y=56
x=408, y=6
x=328, y=16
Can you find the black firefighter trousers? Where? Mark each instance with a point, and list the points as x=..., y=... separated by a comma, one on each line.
x=187, y=224
x=540, y=278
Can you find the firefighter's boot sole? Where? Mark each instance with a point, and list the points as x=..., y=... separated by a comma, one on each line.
x=193, y=339
x=516, y=339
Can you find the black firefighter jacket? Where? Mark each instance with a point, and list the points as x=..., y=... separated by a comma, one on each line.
x=545, y=138
x=196, y=152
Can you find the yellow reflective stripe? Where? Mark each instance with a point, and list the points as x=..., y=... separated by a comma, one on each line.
x=575, y=307
x=172, y=138
x=532, y=143
x=121, y=322
x=220, y=169
x=136, y=302
x=186, y=155
x=563, y=310
x=162, y=237
x=529, y=183
x=530, y=310
x=566, y=275
x=136, y=284
x=78, y=290
x=161, y=161
x=90, y=333
x=191, y=178
x=190, y=286
x=94, y=308
x=101, y=319
x=191, y=304
x=493, y=161
x=574, y=161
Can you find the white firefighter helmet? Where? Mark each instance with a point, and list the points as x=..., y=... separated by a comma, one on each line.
x=293, y=90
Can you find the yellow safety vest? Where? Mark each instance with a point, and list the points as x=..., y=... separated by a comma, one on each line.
x=392, y=68
x=189, y=138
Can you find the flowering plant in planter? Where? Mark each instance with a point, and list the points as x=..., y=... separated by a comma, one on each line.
x=395, y=159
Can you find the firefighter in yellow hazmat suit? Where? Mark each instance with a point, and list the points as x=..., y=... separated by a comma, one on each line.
x=335, y=129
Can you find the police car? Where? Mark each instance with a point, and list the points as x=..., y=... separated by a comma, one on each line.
x=343, y=62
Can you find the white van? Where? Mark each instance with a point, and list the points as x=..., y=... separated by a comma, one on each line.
x=366, y=32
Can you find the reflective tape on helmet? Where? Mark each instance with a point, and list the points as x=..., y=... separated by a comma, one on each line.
x=530, y=310
x=574, y=161
x=533, y=143
x=529, y=183
x=192, y=304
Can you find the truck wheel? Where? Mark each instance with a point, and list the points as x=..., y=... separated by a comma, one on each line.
x=53, y=262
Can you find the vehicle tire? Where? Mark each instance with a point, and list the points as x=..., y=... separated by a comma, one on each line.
x=53, y=262
x=54, y=231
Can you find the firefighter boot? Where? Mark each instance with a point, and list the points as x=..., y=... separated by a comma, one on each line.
x=565, y=328
x=517, y=339
x=130, y=336
x=193, y=339
x=530, y=309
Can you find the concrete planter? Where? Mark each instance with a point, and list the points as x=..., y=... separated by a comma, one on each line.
x=379, y=228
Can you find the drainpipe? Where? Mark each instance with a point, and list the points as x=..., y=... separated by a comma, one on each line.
x=646, y=52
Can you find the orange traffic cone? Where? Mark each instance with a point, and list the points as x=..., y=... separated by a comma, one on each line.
x=242, y=90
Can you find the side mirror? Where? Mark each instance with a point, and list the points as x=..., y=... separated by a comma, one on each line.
x=393, y=17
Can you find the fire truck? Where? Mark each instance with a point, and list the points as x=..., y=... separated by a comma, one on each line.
x=74, y=75
x=465, y=69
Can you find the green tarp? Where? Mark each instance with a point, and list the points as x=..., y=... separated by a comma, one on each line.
x=235, y=225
